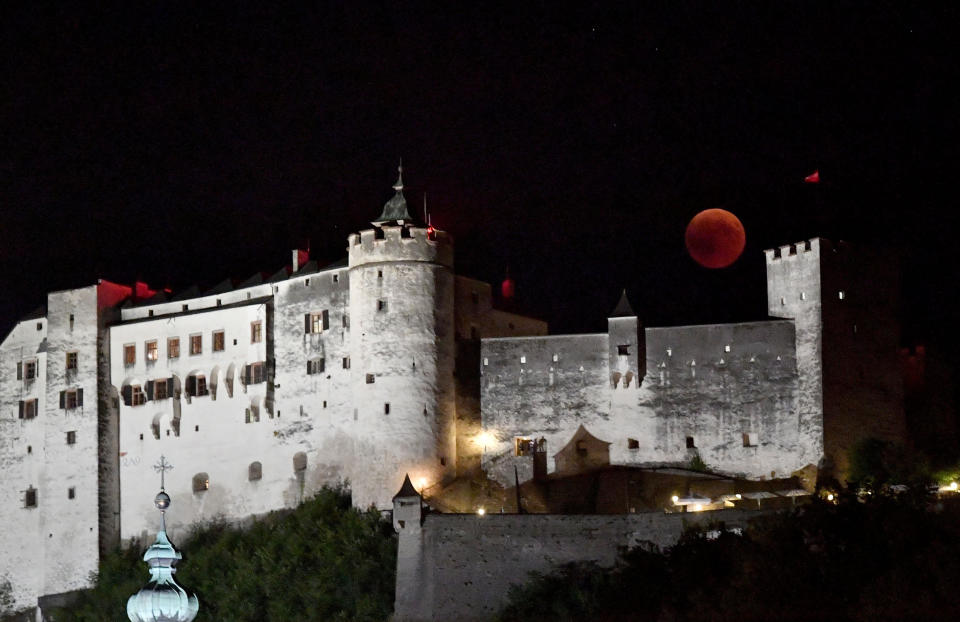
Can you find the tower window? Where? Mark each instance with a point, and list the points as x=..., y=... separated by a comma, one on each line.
x=173, y=348
x=381, y=305
x=30, y=498
x=316, y=366
x=783, y=301
x=28, y=409
x=196, y=344
x=750, y=439
x=72, y=398
x=633, y=443
x=523, y=360
x=71, y=493
x=486, y=361
x=71, y=437
x=299, y=462
x=386, y=408
x=71, y=361
x=841, y=294
x=379, y=274
x=336, y=278
x=152, y=351
x=556, y=357
x=803, y=295
x=71, y=321
x=371, y=378
x=346, y=362
x=129, y=355
x=726, y=348
x=255, y=471
x=690, y=443
x=623, y=350
x=219, y=340
x=256, y=332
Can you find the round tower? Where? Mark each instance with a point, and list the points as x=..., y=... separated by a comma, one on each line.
x=402, y=354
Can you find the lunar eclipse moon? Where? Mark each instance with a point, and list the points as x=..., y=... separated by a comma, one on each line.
x=715, y=238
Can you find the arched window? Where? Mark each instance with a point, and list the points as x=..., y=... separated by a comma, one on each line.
x=201, y=482
x=299, y=462
x=254, y=471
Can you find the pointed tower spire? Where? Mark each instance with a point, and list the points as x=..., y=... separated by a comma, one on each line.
x=162, y=600
x=396, y=207
x=623, y=308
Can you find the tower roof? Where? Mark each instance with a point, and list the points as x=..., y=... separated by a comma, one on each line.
x=407, y=489
x=623, y=308
x=396, y=207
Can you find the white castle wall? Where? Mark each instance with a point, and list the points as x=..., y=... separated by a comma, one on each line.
x=694, y=387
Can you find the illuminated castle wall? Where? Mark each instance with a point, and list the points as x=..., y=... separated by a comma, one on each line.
x=389, y=363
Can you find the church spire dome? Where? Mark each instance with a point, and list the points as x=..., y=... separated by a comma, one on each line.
x=396, y=207
x=162, y=599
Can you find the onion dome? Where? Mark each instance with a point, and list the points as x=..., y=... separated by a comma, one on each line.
x=162, y=599
x=396, y=207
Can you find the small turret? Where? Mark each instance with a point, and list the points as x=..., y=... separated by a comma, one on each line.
x=628, y=346
x=407, y=507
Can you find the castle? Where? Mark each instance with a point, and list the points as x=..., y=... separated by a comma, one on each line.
x=388, y=363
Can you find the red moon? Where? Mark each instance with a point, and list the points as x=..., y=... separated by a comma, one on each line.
x=715, y=238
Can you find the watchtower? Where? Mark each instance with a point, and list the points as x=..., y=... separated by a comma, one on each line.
x=402, y=362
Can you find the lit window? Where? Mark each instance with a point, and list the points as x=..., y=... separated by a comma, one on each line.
x=783, y=301
x=523, y=360
x=196, y=344
x=669, y=351
x=71, y=361
x=256, y=332
x=523, y=446
x=726, y=348
x=219, y=340
x=160, y=388
x=803, y=295
x=841, y=294
x=30, y=370
x=173, y=348
x=486, y=361
x=129, y=355
x=71, y=437
x=316, y=322
x=556, y=357
x=316, y=366
x=153, y=352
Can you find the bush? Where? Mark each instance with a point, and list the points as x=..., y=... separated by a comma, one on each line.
x=323, y=561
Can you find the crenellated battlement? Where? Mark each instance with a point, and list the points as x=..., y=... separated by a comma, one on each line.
x=805, y=246
x=405, y=242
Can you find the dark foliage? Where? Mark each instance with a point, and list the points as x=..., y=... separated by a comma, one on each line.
x=877, y=558
x=323, y=561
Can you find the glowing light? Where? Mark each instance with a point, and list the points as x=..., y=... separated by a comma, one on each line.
x=739, y=496
x=697, y=507
x=422, y=482
x=481, y=511
x=674, y=498
x=830, y=496
x=953, y=486
x=485, y=439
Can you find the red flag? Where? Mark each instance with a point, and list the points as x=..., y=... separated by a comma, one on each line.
x=303, y=256
x=813, y=178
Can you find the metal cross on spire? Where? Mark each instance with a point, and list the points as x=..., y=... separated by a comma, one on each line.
x=162, y=466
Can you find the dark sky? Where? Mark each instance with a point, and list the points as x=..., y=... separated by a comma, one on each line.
x=183, y=144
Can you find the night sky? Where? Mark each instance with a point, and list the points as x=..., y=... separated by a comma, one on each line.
x=182, y=145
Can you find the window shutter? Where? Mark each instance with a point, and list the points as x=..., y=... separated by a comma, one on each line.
x=79, y=397
x=323, y=364
x=63, y=399
x=21, y=409
x=169, y=387
x=246, y=373
x=149, y=390
x=20, y=371
x=126, y=392
x=326, y=320
x=306, y=323
x=191, y=385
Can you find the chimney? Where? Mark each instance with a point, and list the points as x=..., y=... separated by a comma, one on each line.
x=300, y=258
